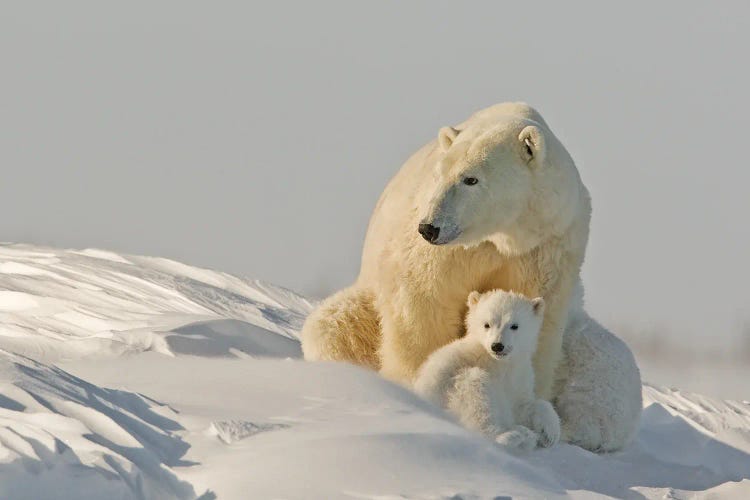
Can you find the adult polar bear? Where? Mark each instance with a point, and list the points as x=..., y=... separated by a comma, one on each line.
x=495, y=202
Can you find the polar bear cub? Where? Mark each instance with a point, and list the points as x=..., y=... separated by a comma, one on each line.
x=486, y=378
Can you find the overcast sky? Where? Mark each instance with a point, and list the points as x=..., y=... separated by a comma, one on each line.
x=256, y=138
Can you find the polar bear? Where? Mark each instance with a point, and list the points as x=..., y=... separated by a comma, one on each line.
x=495, y=202
x=486, y=378
x=599, y=393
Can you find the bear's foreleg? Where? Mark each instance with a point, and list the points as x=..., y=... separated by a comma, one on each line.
x=549, y=352
x=413, y=328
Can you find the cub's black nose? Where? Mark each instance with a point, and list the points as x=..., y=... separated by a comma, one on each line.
x=429, y=232
x=497, y=347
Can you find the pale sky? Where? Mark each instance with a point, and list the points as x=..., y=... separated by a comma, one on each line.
x=256, y=138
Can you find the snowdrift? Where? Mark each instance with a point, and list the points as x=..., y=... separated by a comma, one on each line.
x=135, y=377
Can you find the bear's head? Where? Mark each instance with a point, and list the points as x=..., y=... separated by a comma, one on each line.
x=507, y=324
x=500, y=176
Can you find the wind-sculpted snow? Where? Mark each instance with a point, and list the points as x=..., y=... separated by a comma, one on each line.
x=62, y=437
x=62, y=304
x=135, y=377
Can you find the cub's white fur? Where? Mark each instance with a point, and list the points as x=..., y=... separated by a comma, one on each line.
x=487, y=379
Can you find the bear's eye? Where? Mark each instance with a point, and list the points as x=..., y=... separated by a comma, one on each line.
x=514, y=326
x=486, y=326
x=470, y=181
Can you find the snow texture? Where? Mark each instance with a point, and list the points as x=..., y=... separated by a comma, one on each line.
x=135, y=377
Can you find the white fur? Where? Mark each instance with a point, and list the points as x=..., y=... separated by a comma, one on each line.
x=523, y=226
x=599, y=398
x=488, y=391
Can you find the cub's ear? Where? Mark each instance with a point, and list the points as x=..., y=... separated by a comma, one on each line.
x=473, y=298
x=537, y=305
x=532, y=143
x=446, y=136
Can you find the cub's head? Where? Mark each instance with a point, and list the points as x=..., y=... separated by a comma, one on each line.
x=502, y=178
x=506, y=323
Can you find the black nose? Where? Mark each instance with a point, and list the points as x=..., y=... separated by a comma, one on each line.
x=429, y=232
x=497, y=347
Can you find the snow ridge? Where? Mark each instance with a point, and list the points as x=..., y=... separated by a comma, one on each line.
x=131, y=377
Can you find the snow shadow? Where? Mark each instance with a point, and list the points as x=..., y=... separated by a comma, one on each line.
x=228, y=338
x=137, y=439
x=671, y=452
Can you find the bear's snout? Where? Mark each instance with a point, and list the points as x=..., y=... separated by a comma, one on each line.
x=429, y=232
x=497, y=347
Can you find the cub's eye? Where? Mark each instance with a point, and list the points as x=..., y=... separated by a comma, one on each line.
x=514, y=326
x=486, y=326
x=470, y=181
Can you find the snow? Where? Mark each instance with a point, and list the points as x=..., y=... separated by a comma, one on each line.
x=135, y=377
x=16, y=301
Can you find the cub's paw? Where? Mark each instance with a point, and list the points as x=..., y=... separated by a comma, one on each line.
x=546, y=423
x=518, y=438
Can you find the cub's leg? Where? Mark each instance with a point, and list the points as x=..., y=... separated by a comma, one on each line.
x=543, y=419
x=437, y=375
x=469, y=402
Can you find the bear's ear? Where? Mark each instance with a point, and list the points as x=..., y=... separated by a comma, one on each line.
x=537, y=305
x=532, y=143
x=446, y=136
x=473, y=298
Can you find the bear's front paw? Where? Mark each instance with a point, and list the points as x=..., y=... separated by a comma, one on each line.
x=546, y=423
